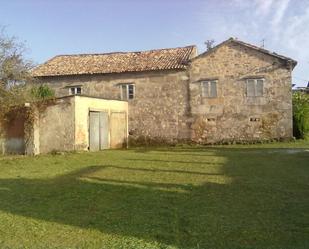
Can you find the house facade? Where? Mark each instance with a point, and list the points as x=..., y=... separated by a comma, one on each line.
x=233, y=92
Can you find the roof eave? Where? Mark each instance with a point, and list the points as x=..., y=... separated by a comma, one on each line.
x=184, y=67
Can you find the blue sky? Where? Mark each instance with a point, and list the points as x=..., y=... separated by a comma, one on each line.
x=79, y=26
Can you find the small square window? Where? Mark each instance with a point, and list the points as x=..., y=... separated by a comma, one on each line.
x=127, y=91
x=209, y=89
x=255, y=87
x=75, y=90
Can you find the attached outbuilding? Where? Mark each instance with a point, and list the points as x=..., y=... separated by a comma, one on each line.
x=67, y=124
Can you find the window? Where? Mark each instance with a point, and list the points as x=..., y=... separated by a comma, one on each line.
x=255, y=87
x=127, y=91
x=209, y=89
x=75, y=90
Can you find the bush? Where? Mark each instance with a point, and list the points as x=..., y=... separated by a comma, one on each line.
x=301, y=115
x=42, y=92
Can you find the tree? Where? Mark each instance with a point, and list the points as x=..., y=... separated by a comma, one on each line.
x=15, y=76
x=14, y=69
x=209, y=44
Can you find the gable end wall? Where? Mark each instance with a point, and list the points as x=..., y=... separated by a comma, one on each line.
x=227, y=117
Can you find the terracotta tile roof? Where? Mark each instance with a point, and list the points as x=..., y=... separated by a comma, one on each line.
x=119, y=62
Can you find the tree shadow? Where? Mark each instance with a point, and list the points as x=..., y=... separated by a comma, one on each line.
x=160, y=170
x=119, y=208
x=169, y=161
x=208, y=215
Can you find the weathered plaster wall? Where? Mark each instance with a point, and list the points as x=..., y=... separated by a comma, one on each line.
x=56, y=126
x=227, y=117
x=82, y=107
x=160, y=106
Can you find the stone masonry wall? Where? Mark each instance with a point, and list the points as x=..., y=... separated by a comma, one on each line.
x=227, y=117
x=159, y=109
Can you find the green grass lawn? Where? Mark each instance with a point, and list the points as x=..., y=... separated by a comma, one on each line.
x=180, y=197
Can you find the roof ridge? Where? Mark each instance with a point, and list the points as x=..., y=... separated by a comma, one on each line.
x=123, y=52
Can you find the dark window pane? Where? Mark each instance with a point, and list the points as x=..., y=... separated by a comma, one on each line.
x=78, y=90
x=131, y=91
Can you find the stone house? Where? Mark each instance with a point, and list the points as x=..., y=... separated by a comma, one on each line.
x=233, y=92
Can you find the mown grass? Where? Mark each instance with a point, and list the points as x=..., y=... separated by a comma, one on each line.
x=181, y=197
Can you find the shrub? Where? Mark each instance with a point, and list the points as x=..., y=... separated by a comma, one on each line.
x=301, y=115
x=42, y=92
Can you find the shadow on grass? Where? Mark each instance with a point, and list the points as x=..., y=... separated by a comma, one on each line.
x=169, y=161
x=159, y=170
x=251, y=211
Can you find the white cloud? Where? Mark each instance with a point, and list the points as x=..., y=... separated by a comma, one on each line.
x=295, y=35
x=264, y=6
x=280, y=9
x=282, y=23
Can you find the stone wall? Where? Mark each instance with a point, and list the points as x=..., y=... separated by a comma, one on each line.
x=159, y=109
x=227, y=117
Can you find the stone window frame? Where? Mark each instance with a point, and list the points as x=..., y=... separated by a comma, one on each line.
x=129, y=96
x=209, y=83
x=258, y=89
x=75, y=90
